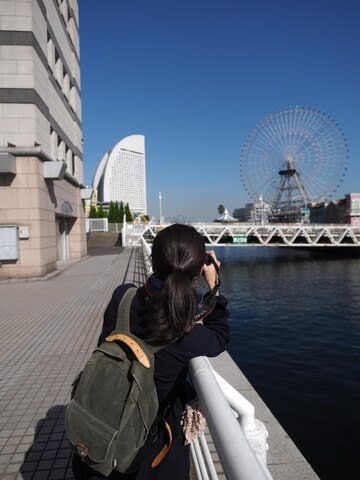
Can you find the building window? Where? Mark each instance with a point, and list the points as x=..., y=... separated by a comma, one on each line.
x=69, y=160
x=72, y=99
x=59, y=69
x=60, y=150
x=66, y=85
x=53, y=143
x=64, y=9
x=51, y=53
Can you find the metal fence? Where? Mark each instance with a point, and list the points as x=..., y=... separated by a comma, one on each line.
x=96, y=225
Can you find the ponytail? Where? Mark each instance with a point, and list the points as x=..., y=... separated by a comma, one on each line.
x=178, y=254
x=179, y=300
x=173, y=311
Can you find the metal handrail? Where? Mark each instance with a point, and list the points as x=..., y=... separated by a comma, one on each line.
x=238, y=459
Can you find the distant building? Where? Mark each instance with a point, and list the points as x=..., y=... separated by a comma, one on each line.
x=256, y=212
x=351, y=209
x=324, y=212
x=243, y=214
x=345, y=211
x=120, y=175
x=260, y=211
x=42, y=222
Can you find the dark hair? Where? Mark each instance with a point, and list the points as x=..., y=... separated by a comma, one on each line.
x=178, y=254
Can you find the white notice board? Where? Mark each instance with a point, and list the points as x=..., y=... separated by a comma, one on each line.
x=9, y=244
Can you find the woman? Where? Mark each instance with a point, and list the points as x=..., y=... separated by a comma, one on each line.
x=167, y=311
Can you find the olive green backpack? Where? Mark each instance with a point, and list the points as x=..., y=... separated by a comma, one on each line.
x=115, y=401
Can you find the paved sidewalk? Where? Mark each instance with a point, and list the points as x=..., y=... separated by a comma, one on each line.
x=48, y=330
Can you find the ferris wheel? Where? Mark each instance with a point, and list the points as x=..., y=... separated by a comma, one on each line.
x=292, y=158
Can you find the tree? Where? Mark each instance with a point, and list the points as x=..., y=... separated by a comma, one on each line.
x=111, y=215
x=100, y=212
x=221, y=209
x=117, y=212
x=129, y=217
x=93, y=212
x=121, y=212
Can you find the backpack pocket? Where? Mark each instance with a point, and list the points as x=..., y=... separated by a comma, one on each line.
x=93, y=440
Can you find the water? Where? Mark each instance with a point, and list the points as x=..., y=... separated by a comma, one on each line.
x=295, y=322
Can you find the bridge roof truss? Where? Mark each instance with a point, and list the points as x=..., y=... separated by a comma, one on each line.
x=268, y=235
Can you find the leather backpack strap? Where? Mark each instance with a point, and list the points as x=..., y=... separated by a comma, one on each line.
x=165, y=450
x=133, y=345
x=123, y=313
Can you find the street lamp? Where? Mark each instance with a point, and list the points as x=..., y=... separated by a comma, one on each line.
x=161, y=218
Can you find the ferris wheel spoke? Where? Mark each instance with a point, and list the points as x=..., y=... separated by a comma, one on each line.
x=292, y=121
x=298, y=119
x=302, y=117
x=270, y=133
x=259, y=190
x=287, y=129
x=280, y=132
x=269, y=142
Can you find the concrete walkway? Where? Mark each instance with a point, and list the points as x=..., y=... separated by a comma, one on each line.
x=48, y=330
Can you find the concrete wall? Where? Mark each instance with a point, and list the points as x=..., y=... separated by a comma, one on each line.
x=34, y=202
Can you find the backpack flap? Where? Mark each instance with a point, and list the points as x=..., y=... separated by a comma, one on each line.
x=93, y=439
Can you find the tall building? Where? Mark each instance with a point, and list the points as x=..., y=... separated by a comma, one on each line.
x=41, y=166
x=120, y=175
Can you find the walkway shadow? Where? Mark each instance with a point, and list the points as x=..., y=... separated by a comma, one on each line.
x=49, y=456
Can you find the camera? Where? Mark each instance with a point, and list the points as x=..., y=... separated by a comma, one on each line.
x=209, y=259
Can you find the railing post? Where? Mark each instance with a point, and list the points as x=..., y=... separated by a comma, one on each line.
x=123, y=233
x=254, y=430
x=238, y=459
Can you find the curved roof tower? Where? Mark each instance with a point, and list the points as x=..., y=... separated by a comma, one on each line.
x=120, y=175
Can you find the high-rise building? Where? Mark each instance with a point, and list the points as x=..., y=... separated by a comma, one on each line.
x=42, y=220
x=120, y=175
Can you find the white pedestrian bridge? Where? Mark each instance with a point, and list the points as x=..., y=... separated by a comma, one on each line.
x=269, y=235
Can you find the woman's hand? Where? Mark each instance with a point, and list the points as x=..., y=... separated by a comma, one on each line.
x=209, y=272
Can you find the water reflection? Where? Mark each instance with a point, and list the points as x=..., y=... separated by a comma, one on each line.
x=295, y=333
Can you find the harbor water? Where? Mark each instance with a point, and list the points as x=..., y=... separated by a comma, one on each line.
x=295, y=322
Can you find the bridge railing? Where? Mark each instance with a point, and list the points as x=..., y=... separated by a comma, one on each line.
x=291, y=235
x=239, y=438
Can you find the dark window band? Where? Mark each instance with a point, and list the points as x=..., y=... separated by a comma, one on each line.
x=14, y=37
x=29, y=39
x=29, y=95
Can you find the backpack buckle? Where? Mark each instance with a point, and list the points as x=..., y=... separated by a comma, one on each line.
x=82, y=449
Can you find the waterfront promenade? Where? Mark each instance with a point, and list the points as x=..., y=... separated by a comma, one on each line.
x=49, y=329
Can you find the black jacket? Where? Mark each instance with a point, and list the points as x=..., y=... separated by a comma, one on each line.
x=209, y=338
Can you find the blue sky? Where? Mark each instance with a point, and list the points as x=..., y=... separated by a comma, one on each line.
x=196, y=76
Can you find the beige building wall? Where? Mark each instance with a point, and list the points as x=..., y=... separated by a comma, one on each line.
x=40, y=121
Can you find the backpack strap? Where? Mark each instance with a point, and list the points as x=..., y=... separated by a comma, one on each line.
x=123, y=313
x=133, y=345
